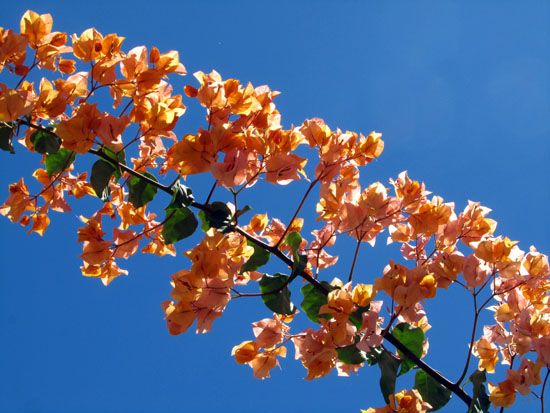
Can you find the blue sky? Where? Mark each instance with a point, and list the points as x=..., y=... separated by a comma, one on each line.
x=460, y=91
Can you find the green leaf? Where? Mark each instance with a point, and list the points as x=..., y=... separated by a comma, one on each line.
x=205, y=226
x=218, y=216
x=7, y=130
x=180, y=223
x=314, y=300
x=45, y=142
x=259, y=257
x=116, y=159
x=373, y=356
x=140, y=191
x=59, y=161
x=278, y=302
x=183, y=196
x=102, y=171
x=351, y=354
x=357, y=316
x=480, y=400
x=298, y=265
x=243, y=210
x=431, y=391
x=412, y=338
x=293, y=240
x=388, y=364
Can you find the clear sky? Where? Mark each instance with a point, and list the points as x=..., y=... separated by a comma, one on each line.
x=461, y=92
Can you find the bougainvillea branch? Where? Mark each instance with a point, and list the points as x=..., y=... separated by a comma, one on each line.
x=121, y=110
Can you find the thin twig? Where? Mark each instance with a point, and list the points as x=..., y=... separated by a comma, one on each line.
x=310, y=187
x=356, y=253
x=542, y=391
x=471, y=345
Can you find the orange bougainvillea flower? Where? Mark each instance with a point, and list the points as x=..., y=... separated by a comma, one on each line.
x=494, y=250
x=78, y=132
x=363, y=294
x=368, y=148
x=51, y=103
x=316, y=132
x=110, y=130
x=487, y=353
x=411, y=193
x=88, y=46
x=339, y=303
x=74, y=86
x=193, y=154
x=126, y=243
x=264, y=362
x=168, y=62
x=204, y=290
x=270, y=331
x=257, y=223
x=406, y=401
x=245, y=352
x=503, y=394
x=35, y=27
x=430, y=216
x=40, y=223
x=67, y=66
x=179, y=316
x=13, y=49
x=261, y=354
x=15, y=103
x=106, y=272
x=284, y=168
x=316, y=352
x=17, y=202
x=211, y=93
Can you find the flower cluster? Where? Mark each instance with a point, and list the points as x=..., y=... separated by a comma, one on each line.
x=117, y=105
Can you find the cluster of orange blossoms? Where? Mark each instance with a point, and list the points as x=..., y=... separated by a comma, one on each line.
x=242, y=144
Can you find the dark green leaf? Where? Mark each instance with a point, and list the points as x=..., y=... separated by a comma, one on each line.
x=480, y=400
x=7, y=131
x=205, y=226
x=279, y=301
x=298, y=265
x=180, y=224
x=373, y=356
x=102, y=171
x=183, y=196
x=431, y=391
x=115, y=159
x=357, y=316
x=45, y=142
x=412, y=338
x=388, y=364
x=59, y=161
x=259, y=257
x=140, y=191
x=351, y=354
x=243, y=210
x=314, y=300
x=219, y=216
